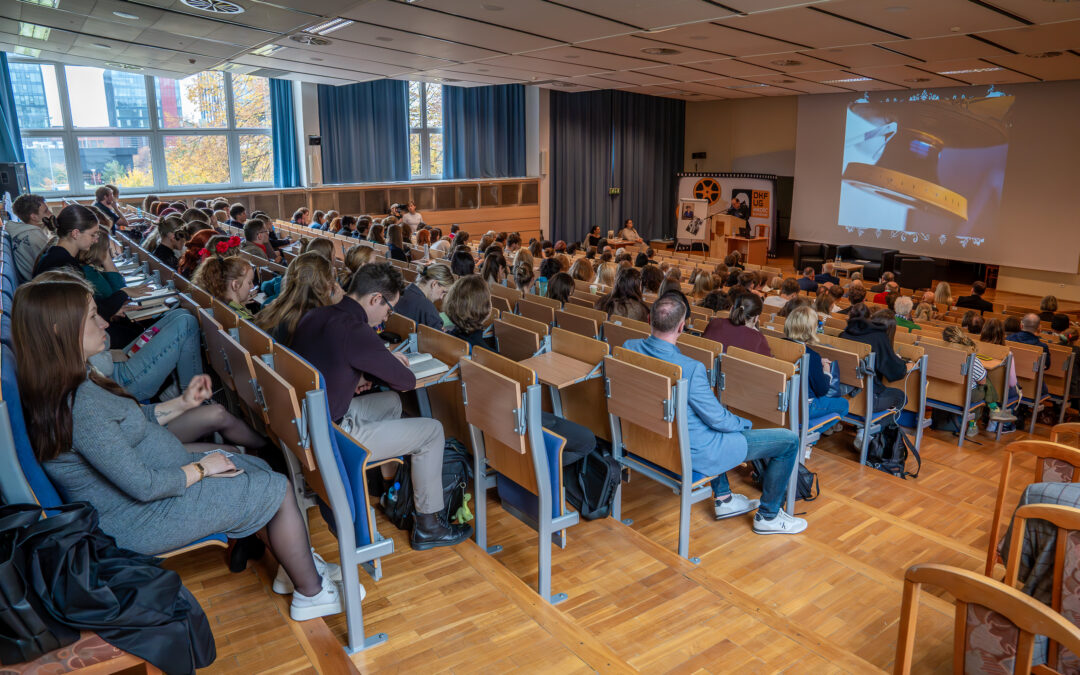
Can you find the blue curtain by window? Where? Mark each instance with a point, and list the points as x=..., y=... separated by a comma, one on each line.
x=283, y=132
x=365, y=132
x=606, y=139
x=10, y=139
x=484, y=131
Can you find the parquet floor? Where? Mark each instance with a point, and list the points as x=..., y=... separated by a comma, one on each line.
x=823, y=602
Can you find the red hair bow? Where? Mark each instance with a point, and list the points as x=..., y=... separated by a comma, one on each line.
x=203, y=253
x=221, y=247
x=234, y=241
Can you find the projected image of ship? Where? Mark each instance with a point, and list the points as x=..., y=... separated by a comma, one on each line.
x=923, y=162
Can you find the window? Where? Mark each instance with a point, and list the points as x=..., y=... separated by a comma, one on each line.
x=83, y=127
x=425, y=130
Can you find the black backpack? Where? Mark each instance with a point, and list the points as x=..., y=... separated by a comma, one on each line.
x=590, y=484
x=807, y=485
x=457, y=475
x=888, y=452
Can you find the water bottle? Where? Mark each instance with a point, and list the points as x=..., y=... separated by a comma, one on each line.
x=391, y=494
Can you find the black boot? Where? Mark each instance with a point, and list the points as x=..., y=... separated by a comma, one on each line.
x=430, y=530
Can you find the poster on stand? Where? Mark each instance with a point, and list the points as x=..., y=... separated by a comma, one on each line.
x=692, y=224
x=752, y=191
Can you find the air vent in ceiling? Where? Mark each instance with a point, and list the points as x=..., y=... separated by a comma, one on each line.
x=660, y=51
x=214, y=6
x=122, y=66
x=305, y=39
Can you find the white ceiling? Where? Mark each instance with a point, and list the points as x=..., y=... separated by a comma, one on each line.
x=692, y=49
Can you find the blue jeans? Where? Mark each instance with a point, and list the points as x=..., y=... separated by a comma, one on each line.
x=175, y=347
x=781, y=448
x=828, y=405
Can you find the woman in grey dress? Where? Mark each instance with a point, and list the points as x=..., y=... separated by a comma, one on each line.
x=98, y=445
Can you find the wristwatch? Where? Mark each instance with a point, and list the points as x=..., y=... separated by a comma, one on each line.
x=202, y=470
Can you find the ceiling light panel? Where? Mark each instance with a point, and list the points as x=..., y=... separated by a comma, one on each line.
x=805, y=26
x=43, y=3
x=447, y=26
x=34, y=31
x=923, y=18
x=327, y=27
x=536, y=16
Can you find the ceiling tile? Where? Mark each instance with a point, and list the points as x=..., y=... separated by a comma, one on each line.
x=732, y=68
x=255, y=15
x=396, y=61
x=847, y=80
x=792, y=62
x=410, y=43
x=538, y=66
x=599, y=82
x=1037, y=39
x=861, y=55
x=634, y=46
x=752, y=6
x=923, y=18
x=423, y=21
x=807, y=27
x=800, y=85
x=563, y=23
x=722, y=39
x=907, y=76
x=944, y=48
x=1064, y=67
x=1041, y=12
x=649, y=14
x=679, y=73
x=459, y=79
x=979, y=71
x=634, y=78
x=588, y=57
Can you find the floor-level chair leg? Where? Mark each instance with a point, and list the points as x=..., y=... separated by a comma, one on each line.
x=685, y=504
x=354, y=612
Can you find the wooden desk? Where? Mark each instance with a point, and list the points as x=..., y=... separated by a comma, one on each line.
x=623, y=243
x=755, y=250
x=558, y=370
x=847, y=268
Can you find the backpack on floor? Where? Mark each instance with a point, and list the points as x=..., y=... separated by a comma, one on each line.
x=590, y=484
x=888, y=452
x=457, y=475
x=807, y=485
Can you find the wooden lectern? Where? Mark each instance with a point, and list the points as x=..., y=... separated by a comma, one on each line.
x=722, y=227
x=755, y=250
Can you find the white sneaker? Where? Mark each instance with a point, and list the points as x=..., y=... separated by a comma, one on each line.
x=806, y=452
x=283, y=585
x=324, y=603
x=736, y=506
x=858, y=439
x=781, y=524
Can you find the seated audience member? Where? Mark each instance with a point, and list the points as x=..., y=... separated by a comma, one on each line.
x=856, y=294
x=669, y=285
x=740, y=328
x=801, y=326
x=1048, y=308
x=651, y=278
x=31, y=236
x=237, y=216
x=789, y=289
x=719, y=439
x=924, y=312
x=257, y=240
x=972, y=324
x=975, y=300
x=581, y=270
x=882, y=296
x=318, y=220
x=854, y=279
x=229, y=279
x=172, y=236
x=363, y=224
x=348, y=227
x=549, y=267
x=982, y=387
x=1012, y=325
x=943, y=294
x=493, y=269
x=355, y=258
x=192, y=256
x=750, y=282
x=396, y=242
x=793, y=304
x=152, y=492
x=993, y=332
x=308, y=283
x=523, y=257
x=468, y=306
x=321, y=246
x=77, y=230
x=1061, y=331
x=513, y=243
x=628, y=232
x=105, y=201
x=341, y=342
x=902, y=309
x=375, y=234
x=524, y=277
x=559, y=287
x=593, y=239
x=97, y=267
x=418, y=299
x=717, y=301
x=625, y=297
x=302, y=216
x=806, y=281
x=462, y=263
x=703, y=285
x=1029, y=334
x=878, y=332
x=827, y=276
x=882, y=283
x=334, y=225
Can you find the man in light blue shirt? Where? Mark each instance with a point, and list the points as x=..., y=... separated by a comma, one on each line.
x=719, y=439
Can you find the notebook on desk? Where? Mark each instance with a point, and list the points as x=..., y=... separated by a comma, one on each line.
x=425, y=365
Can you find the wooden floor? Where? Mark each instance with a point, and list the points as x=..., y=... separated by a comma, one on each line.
x=821, y=602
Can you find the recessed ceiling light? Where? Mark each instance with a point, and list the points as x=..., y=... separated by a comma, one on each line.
x=330, y=26
x=267, y=50
x=916, y=80
x=955, y=29
x=102, y=45
x=125, y=15
x=43, y=3
x=968, y=70
x=786, y=62
x=383, y=38
x=847, y=80
x=27, y=51
x=660, y=51
x=305, y=39
x=34, y=31
x=1043, y=55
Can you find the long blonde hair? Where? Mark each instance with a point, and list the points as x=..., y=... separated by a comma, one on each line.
x=943, y=294
x=605, y=274
x=308, y=283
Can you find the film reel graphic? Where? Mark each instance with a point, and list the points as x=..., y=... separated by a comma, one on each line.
x=707, y=188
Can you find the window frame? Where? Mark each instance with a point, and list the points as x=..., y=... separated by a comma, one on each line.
x=70, y=135
x=425, y=132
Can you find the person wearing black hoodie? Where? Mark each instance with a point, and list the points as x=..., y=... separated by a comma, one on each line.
x=878, y=332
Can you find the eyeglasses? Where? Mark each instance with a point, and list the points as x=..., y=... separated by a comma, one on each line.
x=388, y=303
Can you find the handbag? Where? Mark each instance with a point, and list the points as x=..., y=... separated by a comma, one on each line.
x=26, y=630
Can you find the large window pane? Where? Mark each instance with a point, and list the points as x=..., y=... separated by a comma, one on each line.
x=415, y=156
x=196, y=160
x=107, y=98
x=45, y=163
x=416, y=119
x=251, y=101
x=197, y=101
x=434, y=105
x=435, y=147
x=123, y=161
x=37, y=96
x=256, y=158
